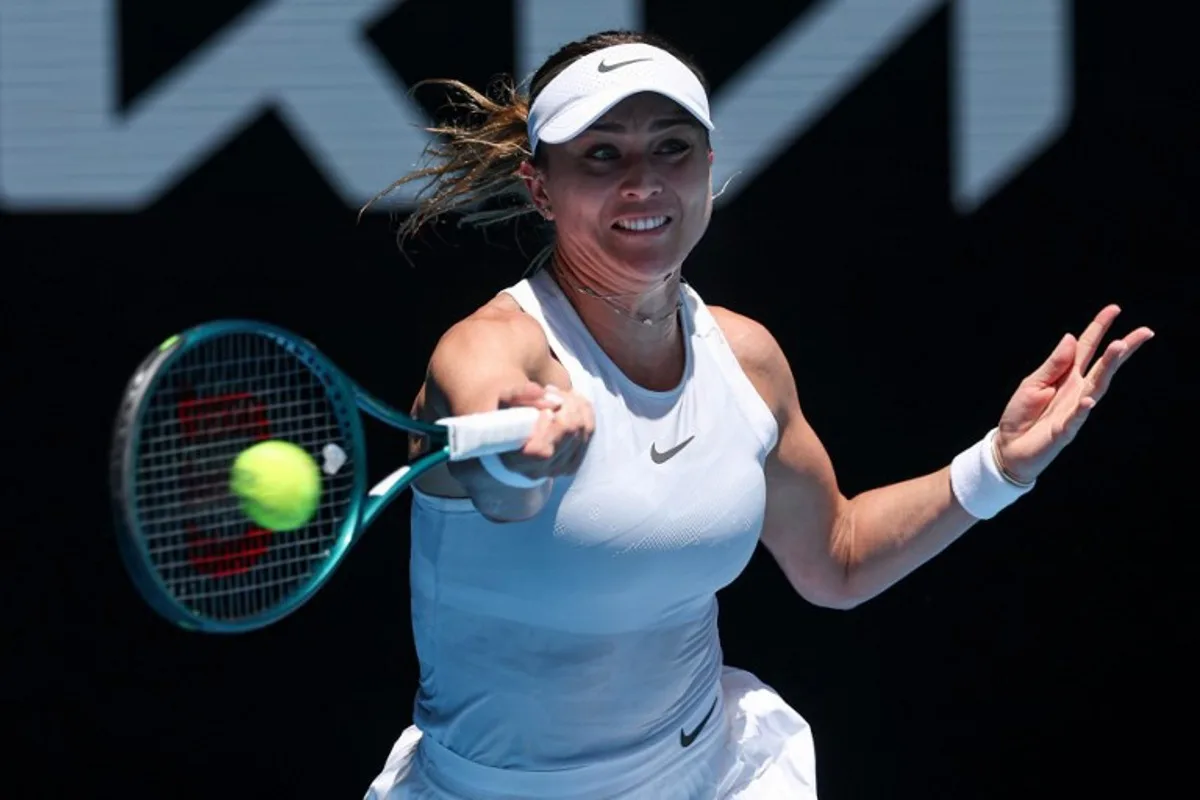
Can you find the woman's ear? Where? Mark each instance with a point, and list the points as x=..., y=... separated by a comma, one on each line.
x=535, y=184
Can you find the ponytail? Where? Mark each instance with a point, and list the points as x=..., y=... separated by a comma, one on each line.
x=473, y=161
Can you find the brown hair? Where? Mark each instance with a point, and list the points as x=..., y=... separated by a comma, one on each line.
x=473, y=160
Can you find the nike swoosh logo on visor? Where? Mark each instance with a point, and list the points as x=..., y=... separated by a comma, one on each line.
x=610, y=67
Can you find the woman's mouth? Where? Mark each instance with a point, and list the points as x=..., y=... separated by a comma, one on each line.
x=642, y=224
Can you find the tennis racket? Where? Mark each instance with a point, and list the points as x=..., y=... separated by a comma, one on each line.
x=200, y=399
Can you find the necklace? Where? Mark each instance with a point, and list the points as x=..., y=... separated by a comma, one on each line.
x=617, y=307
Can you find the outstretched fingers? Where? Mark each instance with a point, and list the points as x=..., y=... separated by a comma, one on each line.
x=1117, y=353
x=1093, y=335
x=1056, y=365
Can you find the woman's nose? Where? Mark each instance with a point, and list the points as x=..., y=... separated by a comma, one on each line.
x=641, y=182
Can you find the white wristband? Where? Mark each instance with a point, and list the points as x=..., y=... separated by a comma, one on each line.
x=495, y=467
x=978, y=483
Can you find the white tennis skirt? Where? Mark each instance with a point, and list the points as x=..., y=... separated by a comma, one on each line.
x=768, y=755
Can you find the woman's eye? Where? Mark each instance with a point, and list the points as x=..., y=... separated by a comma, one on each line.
x=603, y=152
x=607, y=152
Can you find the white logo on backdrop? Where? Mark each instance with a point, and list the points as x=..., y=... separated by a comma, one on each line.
x=65, y=145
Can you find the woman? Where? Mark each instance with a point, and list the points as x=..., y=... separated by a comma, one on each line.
x=563, y=597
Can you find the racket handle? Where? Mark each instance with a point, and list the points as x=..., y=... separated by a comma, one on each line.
x=474, y=435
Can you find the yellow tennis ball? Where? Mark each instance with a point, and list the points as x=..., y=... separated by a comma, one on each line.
x=279, y=484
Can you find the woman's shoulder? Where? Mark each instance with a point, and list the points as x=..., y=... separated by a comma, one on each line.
x=759, y=355
x=750, y=340
x=501, y=316
x=499, y=331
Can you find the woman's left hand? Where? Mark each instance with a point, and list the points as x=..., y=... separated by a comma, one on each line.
x=1051, y=405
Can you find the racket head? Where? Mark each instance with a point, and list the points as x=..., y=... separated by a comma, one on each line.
x=191, y=407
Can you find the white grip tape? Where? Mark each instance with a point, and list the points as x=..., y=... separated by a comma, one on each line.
x=977, y=482
x=475, y=435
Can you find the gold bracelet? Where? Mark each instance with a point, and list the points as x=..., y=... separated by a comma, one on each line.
x=1008, y=476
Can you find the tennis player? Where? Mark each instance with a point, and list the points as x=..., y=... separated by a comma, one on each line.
x=563, y=598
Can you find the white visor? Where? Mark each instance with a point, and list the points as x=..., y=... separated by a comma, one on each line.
x=590, y=86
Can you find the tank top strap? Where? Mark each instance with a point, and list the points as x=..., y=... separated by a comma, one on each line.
x=536, y=301
x=708, y=334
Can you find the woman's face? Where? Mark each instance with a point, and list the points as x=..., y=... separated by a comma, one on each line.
x=632, y=193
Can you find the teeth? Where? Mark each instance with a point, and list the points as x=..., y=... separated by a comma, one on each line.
x=643, y=224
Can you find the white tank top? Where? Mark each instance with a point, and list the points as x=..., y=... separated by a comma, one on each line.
x=579, y=649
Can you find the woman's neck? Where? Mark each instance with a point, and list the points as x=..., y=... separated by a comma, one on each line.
x=635, y=321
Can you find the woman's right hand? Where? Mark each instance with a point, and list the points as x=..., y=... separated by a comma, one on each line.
x=499, y=357
x=559, y=441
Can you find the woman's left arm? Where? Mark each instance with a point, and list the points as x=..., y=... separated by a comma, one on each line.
x=839, y=552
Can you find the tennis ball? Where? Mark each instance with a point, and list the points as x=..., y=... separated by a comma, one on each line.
x=279, y=484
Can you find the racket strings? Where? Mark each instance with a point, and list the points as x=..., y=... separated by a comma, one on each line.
x=211, y=404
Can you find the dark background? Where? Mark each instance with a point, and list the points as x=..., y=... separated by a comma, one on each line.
x=1044, y=654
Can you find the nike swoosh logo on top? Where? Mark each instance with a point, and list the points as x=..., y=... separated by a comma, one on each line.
x=610, y=67
x=667, y=455
x=686, y=739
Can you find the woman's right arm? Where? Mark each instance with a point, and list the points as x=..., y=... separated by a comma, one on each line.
x=499, y=358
